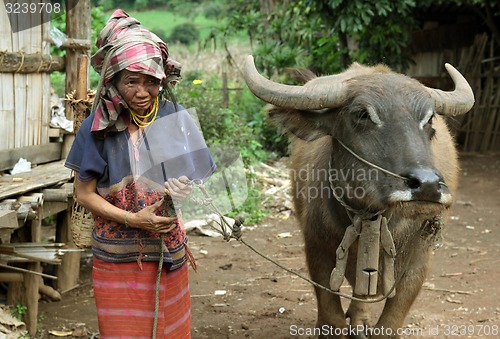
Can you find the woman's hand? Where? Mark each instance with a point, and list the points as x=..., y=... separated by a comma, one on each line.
x=178, y=189
x=146, y=219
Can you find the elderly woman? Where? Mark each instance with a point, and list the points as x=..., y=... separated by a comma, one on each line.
x=133, y=157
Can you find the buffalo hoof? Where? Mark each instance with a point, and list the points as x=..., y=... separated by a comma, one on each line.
x=357, y=334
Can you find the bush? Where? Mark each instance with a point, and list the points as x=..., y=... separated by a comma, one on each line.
x=213, y=10
x=227, y=128
x=185, y=33
x=160, y=33
x=107, y=5
x=141, y=5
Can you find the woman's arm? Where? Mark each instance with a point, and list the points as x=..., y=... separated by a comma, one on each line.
x=146, y=219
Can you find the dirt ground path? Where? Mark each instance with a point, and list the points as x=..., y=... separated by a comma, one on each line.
x=237, y=294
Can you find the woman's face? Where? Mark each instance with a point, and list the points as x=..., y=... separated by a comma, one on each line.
x=139, y=90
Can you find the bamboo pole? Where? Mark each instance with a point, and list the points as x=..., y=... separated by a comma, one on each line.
x=21, y=62
x=77, y=27
x=81, y=93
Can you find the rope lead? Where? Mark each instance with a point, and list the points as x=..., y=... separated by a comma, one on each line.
x=158, y=280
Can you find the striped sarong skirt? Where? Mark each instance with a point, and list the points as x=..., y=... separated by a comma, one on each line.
x=125, y=298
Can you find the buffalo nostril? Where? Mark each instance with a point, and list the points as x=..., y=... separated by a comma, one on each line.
x=425, y=183
x=413, y=183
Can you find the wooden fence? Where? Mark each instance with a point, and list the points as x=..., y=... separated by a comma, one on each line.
x=24, y=107
x=478, y=130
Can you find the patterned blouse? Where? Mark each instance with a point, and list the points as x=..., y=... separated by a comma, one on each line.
x=131, y=176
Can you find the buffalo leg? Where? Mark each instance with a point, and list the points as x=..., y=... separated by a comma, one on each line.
x=330, y=312
x=396, y=308
x=359, y=318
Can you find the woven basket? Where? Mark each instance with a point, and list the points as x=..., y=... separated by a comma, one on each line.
x=82, y=223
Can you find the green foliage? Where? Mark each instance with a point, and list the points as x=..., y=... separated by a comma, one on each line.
x=160, y=32
x=39, y=326
x=315, y=34
x=185, y=33
x=124, y=4
x=19, y=311
x=220, y=124
x=212, y=10
x=184, y=8
x=238, y=126
x=141, y=5
x=107, y=5
x=167, y=20
x=251, y=209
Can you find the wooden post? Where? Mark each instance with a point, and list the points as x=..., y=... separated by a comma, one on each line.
x=25, y=291
x=79, y=114
x=77, y=27
x=69, y=271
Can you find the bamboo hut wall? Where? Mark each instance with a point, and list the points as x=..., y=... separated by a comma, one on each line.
x=25, y=98
x=6, y=87
x=478, y=130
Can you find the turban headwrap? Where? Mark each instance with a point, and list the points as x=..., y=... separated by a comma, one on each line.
x=125, y=44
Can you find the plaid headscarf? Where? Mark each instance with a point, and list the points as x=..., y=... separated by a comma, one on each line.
x=125, y=44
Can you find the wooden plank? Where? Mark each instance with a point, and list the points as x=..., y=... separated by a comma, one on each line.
x=41, y=176
x=54, y=207
x=54, y=132
x=8, y=219
x=37, y=154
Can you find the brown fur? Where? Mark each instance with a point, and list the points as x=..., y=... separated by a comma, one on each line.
x=401, y=147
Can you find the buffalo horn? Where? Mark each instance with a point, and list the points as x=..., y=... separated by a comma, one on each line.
x=457, y=102
x=311, y=96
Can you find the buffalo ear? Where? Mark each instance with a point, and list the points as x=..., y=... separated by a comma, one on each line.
x=305, y=125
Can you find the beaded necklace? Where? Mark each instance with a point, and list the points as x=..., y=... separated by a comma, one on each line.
x=139, y=119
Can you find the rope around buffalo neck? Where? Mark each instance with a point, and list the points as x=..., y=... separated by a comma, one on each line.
x=370, y=163
x=235, y=233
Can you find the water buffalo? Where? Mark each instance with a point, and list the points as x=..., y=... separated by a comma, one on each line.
x=367, y=143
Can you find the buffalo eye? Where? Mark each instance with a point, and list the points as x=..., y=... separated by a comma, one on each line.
x=428, y=127
x=429, y=122
x=367, y=114
x=361, y=116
